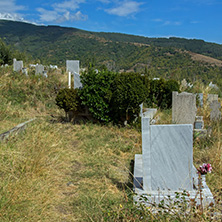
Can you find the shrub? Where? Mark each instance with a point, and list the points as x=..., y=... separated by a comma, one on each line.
x=96, y=93
x=129, y=91
x=161, y=93
x=68, y=99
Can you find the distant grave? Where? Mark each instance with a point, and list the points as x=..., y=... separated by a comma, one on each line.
x=215, y=113
x=39, y=69
x=166, y=164
x=200, y=99
x=183, y=108
x=17, y=65
x=25, y=71
x=211, y=98
x=72, y=67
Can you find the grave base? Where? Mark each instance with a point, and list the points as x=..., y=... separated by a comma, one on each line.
x=155, y=197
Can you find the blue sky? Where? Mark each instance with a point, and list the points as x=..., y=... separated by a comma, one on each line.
x=199, y=19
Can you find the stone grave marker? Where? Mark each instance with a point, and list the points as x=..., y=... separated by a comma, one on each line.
x=211, y=98
x=200, y=99
x=25, y=71
x=39, y=69
x=72, y=67
x=183, y=108
x=166, y=163
x=199, y=123
x=17, y=65
x=215, y=113
x=163, y=146
x=77, y=81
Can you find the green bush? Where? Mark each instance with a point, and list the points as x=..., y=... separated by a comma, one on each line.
x=5, y=54
x=129, y=91
x=161, y=93
x=96, y=93
x=68, y=99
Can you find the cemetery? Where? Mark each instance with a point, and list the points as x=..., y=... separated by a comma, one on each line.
x=104, y=169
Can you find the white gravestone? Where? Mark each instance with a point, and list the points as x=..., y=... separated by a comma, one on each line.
x=39, y=69
x=72, y=66
x=166, y=164
x=17, y=65
x=163, y=147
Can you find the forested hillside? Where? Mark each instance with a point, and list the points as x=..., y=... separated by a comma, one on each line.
x=175, y=58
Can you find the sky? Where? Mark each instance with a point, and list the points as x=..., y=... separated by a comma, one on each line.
x=192, y=19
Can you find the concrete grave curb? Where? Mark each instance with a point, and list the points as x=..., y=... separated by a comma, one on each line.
x=15, y=130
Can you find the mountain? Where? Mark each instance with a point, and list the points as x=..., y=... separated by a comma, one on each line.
x=160, y=57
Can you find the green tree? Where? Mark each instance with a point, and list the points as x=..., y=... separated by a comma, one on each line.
x=5, y=54
x=96, y=93
x=129, y=91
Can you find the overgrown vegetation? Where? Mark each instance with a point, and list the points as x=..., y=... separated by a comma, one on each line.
x=7, y=54
x=115, y=97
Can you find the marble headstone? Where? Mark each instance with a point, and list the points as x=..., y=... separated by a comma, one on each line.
x=167, y=156
x=72, y=66
x=215, y=113
x=17, y=65
x=166, y=165
x=77, y=81
x=183, y=108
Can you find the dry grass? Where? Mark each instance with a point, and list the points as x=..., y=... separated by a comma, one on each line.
x=49, y=174
x=207, y=59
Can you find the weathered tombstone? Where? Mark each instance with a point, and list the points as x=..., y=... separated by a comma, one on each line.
x=166, y=164
x=215, y=113
x=211, y=98
x=200, y=99
x=150, y=112
x=39, y=69
x=183, y=108
x=199, y=123
x=17, y=65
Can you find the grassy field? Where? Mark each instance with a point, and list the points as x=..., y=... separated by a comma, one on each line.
x=58, y=171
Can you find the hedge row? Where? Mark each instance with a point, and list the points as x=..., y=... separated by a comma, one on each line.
x=116, y=96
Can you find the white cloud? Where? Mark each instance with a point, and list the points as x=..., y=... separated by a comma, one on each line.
x=125, y=8
x=157, y=20
x=104, y=1
x=47, y=15
x=68, y=5
x=72, y=17
x=10, y=6
x=167, y=22
x=176, y=23
x=61, y=12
